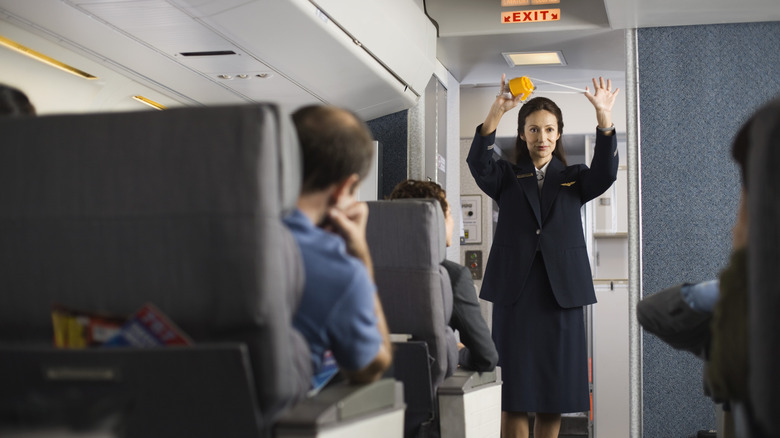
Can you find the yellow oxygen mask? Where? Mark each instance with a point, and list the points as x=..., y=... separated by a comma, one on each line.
x=524, y=87
x=521, y=86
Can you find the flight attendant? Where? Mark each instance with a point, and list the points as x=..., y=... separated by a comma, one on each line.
x=538, y=275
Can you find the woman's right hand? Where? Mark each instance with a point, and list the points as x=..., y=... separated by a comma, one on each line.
x=501, y=105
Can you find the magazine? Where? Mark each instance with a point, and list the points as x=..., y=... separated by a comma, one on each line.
x=148, y=327
x=80, y=329
x=327, y=371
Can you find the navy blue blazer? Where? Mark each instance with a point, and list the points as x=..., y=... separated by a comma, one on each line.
x=552, y=226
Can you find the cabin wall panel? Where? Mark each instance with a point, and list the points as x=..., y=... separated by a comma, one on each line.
x=697, y=85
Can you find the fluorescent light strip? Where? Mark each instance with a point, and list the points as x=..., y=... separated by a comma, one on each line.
x=24, y=50
x=149, y=102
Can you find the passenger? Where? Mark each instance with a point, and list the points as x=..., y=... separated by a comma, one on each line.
x=477, y=351
x=538, y=274
x=14, y=102
x=340, y=309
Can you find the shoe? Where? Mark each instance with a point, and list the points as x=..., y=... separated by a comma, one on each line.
x=666, y=315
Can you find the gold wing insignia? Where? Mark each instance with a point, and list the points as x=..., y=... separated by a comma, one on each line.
x=525, y=175
x=568, y=184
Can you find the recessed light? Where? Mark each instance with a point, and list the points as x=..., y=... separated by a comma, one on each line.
x=515, y=59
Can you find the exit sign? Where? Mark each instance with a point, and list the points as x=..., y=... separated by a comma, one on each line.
x=510, y=3
x=532, y=16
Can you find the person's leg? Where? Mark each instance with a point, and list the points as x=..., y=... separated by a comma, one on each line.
x=514, y=424
x=547, y=425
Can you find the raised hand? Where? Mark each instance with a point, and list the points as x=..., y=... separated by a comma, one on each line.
x=602, y=99
x=501, y=105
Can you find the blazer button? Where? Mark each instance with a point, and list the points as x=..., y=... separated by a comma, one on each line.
x=538, y=231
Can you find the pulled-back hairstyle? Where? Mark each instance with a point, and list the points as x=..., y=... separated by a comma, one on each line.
x=415, y=189
x=14, y=103
x=532, y=106
x=335, y=143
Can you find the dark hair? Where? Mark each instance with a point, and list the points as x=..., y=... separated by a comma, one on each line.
x=335, y=144
x=414, y=189
x=532, y=106
x=14, y=103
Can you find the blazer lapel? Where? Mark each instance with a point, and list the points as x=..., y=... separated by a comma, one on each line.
x=552, y=185
x=526, y=178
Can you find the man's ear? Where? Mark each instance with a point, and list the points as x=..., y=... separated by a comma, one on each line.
x=346, y=187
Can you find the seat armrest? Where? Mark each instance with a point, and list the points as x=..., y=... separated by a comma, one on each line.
x=464, y=381
x=470, y=404
x=343, y=402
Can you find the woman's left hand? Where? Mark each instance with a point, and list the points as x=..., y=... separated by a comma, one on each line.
x=602, y=99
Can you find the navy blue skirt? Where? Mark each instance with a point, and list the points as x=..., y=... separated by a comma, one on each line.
x=542, y=350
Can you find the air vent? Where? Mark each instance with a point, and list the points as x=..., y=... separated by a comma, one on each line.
x=210, y=53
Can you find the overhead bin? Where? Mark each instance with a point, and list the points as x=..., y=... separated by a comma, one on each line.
x=373, y=57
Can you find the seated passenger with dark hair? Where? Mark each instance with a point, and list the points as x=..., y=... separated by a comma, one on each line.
x=14, y=102
x=478, y=351
x=340, y=309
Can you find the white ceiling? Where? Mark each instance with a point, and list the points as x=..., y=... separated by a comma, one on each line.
x=590, y=34
x=144, y=45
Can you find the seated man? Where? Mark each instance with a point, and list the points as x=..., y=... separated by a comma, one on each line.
x=478, y=351
x=340, y=310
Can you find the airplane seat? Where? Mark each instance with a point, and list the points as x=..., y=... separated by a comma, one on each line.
x=407, y=242
x=763, y=259
x=181, y=209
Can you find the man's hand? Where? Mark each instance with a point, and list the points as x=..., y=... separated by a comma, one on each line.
x=350, y=224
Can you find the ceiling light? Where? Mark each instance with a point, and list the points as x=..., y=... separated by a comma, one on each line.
x=24, y=50
x=515, y=59
x=150, y=102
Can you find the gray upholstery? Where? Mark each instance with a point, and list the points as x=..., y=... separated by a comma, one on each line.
x=407, y=242
x=763, y=263
x=181, y=208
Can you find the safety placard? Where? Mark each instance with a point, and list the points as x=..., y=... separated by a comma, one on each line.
x=532, y=16
x=471, y=219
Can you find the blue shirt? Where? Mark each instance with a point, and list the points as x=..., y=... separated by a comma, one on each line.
x=337, y=308
x=702, y=296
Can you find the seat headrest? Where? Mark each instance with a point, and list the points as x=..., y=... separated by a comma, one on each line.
x=410, y=233
x=179, y=137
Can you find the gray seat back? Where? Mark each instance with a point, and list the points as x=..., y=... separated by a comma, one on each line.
x=408, y=244
x=181, y=208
